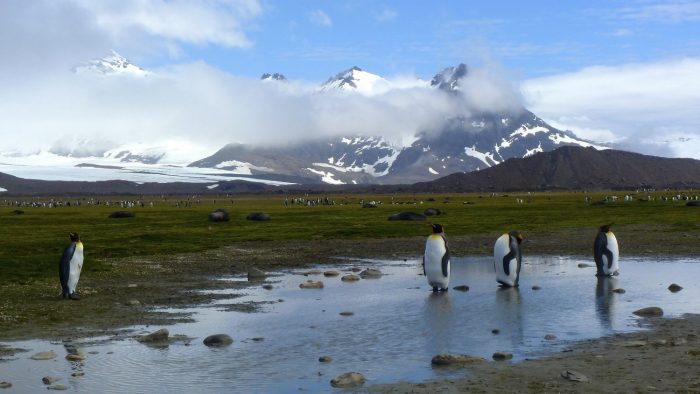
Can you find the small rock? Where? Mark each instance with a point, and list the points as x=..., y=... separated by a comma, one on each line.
x=132, y=285
x=76, y=356
x=461, y=288
x=255, y=274
x=659, y=342
x=674, y=288
x=258, y=339
x=312, y=272
x=77, y=374
x=652, y=311
x=50, y=379
x=218, y=340
x=133, y=303
x=585, y=265
x=634, y=343
x=350, y=379
x=535, y=287
x=325, y=359
x=58, y=387
x=500, y=356
x=331, y=273
x=93, y=352
x=619, y=291
x=355, y=269
x=44, y=355
x=267, y=287
x=444, y=359
x=371, y=273
x=678, y=341
x=350, y=278
x=311, y=285
x=550, y=337
x=495, y=331
x=346, y=313
x=5, y=384
x=156, y=336
x=575, y=376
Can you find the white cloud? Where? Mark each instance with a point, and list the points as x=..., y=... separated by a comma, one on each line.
x=645, y=107
x=320, y=18
x=385, y=15
x=664, y=11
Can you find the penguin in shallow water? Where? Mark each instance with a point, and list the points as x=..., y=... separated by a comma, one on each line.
x=436, y=260
x=70, y=267
x=507, y=258
x=606, y=252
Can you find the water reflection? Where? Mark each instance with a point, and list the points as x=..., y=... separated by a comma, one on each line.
x=605, y=300
x=438, y=317
x=509, y=313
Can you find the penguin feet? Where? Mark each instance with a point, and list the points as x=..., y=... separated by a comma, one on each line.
x=444, y=289
x=435, y=289
x=74, y=296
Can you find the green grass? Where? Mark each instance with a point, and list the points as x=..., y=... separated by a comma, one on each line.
x=31, y=244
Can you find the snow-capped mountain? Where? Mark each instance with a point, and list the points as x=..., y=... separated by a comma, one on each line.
x=114, y=64
x=273, y=77
x=449, y=78
x=356, y=80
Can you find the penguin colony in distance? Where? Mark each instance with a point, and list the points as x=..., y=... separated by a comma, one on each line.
x=436, y=260
x=70, y=267
x=605, y=252
x=507, y=258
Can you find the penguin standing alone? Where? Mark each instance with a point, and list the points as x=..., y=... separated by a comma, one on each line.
x=436, y=260
x=70, y=267
x=606, y=252
x=507, y=258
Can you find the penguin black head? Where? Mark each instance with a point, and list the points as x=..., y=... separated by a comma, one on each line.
x=605, y=228
x=517, y=235
x=75, y=237
x=437, y=228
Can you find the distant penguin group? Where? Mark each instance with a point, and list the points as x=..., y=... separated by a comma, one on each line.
x=70, y=266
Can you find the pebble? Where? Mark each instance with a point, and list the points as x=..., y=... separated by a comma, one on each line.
x=77, y=374
x=678, y=341
x=218, y=340
x=455, y=359
x=76, y=357
x=575, y=376
x=346, y=313
x=50, y=379
x=311, y=285
x=371, y=273
x=267, y=287
x=634, y=343
x=585, y=265
x=535, y=287
x=350, y=278
x=133, y=303
x=652, y=311
x=674, y=288
x=349, y=379
x=331, y=273
x=461, y=288
x=355, y=269
x=58, y=387
x=550, y=337
x=44, y=355
x=500, y=356
x=132, y=285
x=259, y=339
x=325, y=359
x=5, y=384
x=495, y=331
x=619, y=291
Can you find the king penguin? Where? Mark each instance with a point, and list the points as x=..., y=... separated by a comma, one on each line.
x=507, y=258
x=70, y=267
x=436, y=260
x=606, y=252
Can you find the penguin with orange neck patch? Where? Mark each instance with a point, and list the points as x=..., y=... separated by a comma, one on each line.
x=606, y=252
x=436, y=260
x=70, y=266
x=507, y=259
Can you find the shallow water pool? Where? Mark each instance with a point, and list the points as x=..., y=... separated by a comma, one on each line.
x=397, y=326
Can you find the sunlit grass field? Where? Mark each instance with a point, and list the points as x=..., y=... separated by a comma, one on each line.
x=31, y=243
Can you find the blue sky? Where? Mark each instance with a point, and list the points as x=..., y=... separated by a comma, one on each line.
x=620, y=72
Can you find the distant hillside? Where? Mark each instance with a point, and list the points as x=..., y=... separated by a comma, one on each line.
x=574, y=168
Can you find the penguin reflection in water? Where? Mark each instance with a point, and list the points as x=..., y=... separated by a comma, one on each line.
x=507, y=258
x=436, y=260
x=605, y=252
x=70, y=267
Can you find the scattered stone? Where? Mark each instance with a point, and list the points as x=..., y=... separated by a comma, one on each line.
x=432, y=212
x=50, y=380
x=311, y=285
x=346, y=313
x=371, y=273
x=500, y=356
x=121, y=214
x=331, y=273
x=219, y=215
x=634, y=343
x=325, y=359
x=132, y=285
x=461, y=288
x=218, y=340
x=258, y=339
x=58, y=387
x=350, y=278
x=355, y=269
x=5, y=384
x=156, y=336
x=407, y=216
x=619, y=291
x=133, y=303
x=312, y=272
x=495, y=331
x=550, y=337
x=678, y=341
x=255, y=274
x=44, y=355
x=93, y=352
x=674, y=288
x=447, y=360
x=80, y=356
x=585, y=265
x=652, y=311
x=77, y=374
x=575, y=376
x=350, y=379
x=267, y=286
x=258, y=216
x=659, y=342
x=535, y=287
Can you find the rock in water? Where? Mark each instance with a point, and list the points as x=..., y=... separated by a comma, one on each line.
x=255, y=274
x=447, y=360
x=76, y=356
x=652, y=311
x=311, y=285
x=500, y=356
x=461, y=288
x=58, y=387
x=550, y=337
x=619, y=291
x=44, y=355
x=575, y=376
x=156, y=336
x=371, y=273
x=350, y=278
x=674, y=288
x=5, y=384
x=218, y=340
x=346, y=313
x=350, y=379
x=325, y=359
x=331, y=273
x=585, y=265
x=219, y=215
x=50, y=379
x=267, y=287
x=535, y=287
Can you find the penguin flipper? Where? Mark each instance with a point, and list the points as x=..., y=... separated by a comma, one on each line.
x=64, y=266
x=445, y=259
x=424, y=265
x=600, y=247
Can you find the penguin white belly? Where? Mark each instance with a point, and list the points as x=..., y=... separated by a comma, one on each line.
x=500, y=250
x=76, y=265
x=434, y=251
x=614, y=251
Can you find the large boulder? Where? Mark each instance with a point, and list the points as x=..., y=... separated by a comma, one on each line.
x=121, y=214
x=161, y=335
x=217, y=340
x=371, y=273
x=258, y=216
x=219, y=215
x=407, y=216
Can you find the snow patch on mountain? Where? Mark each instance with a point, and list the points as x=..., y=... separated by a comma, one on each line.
x=327, y=177
x=241, y=167
x=486, y=158
x=357, y=80
x=114, y=64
